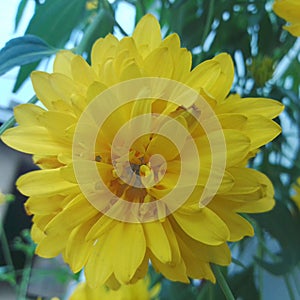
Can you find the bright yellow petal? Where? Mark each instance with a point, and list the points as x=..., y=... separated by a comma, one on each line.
x=51, y=246
x=34, y=140
x=237, y=225
x=27, y=114
x=44, y=205
x=203, y=225
x=78, y=211
x=146, y=43
x=82, y=72
x=157, y=241
x=195, y=267
x=261, y=137
x=159, y=63
x=43, y=182
x=204, y=76
x=181, y=70
x=77, y=248
x=62, y=62
x=100, y=252
x=103, y=49
x=43, y=89
x=174, y=272
x=131, y=240
x=224, y=82
x=250, y=106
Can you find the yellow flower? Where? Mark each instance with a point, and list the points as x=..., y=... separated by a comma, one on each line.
x=290, y=11
x=92, y=4
x=296, y=197
x=161, y=177
x=137, y=291
x=2, y=198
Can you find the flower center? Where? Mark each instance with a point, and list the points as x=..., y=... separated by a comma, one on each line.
x=139, y=172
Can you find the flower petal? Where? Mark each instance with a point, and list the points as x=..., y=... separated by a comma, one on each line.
x=77, y=248
x=261, y=137
x=210, y=229
x=157, y=241
x=147, y=42
x=250, y=106
x=27, y=114
x=223, y=84
x=62, y=62
x=99, y=257
x=78, y=211
x=43, y=182
x=34, y=140
x=131, y=240
x=237, y=225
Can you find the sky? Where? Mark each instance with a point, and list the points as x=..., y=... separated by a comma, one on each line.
x=7, y=17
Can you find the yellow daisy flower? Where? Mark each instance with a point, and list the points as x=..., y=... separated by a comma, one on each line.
x=142, y=159
x=92, y=4
x=137, y=291
x=290, y=11
x=2, y=198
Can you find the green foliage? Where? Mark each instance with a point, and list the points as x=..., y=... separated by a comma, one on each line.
x=49, y=23
x=20, y=12
x=23, y=50
x=286, y=233
x=102, y=24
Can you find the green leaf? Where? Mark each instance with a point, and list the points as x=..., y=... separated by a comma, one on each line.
x=243, y=284
x=23, y=74
x=53, y=21
x=176, y=291
x=23, y=50
x=102, y=24
x=20, y=12
x=284, y=227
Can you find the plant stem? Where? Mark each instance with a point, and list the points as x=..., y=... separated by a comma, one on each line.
x=12, y=121
x=208, y=22
x=222, y=282
x=260, y=254
x=289, y=287
x=296, y=281
x=120, y=28
x=6, y=252
x=100, y=26
x=143, y=7
x=25, y=277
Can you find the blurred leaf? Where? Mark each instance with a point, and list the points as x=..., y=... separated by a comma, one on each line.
x=232, y=33
x=53, y=21
x=243, y=284
x=23, y=74
x=176, y=291
x=284, y=227
x=102, y=24
x=20, y=12
x=23, y=50
x=183, y=20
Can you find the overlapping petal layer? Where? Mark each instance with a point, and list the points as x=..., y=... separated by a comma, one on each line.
x=180, y=245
